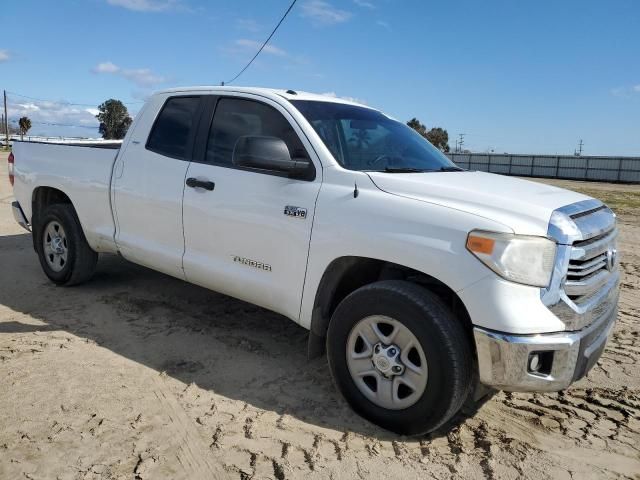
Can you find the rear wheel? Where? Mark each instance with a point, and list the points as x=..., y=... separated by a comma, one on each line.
x=399, y=357
x=65, y=255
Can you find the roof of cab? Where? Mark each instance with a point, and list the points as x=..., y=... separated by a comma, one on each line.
x=267, y=92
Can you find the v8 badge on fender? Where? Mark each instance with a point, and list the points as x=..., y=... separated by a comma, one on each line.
x=296, y=212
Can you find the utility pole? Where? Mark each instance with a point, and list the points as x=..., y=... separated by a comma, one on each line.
x=460, y=142
x=6, y=119
x=578, y=152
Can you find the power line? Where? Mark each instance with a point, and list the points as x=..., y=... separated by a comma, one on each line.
x=64, y=103
x=263, y=45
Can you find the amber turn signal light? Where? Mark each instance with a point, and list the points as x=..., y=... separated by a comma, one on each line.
x=480, y=244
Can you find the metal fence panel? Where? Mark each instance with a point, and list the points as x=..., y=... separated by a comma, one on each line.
x=602, y=175
x=607, y=169
x=500, y=168
x=630, y=176
x=630, y=164
x=572, y=162
x=543, y=171
x=571, y=173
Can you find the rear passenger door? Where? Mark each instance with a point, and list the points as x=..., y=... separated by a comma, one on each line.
x=240, y=238
x=148, y=183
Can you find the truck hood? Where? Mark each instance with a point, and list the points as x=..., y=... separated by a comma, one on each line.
x=521, y=205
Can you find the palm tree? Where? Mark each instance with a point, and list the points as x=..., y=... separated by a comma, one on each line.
x=361, y=138
x=25, y=125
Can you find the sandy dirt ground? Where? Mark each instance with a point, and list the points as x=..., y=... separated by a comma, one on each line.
x=137, y=375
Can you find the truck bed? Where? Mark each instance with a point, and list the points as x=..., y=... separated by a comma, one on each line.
x=82, y=170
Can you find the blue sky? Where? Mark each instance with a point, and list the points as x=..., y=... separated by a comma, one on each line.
x=515, y=76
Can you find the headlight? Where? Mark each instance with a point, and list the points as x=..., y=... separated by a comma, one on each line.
x=518, y=258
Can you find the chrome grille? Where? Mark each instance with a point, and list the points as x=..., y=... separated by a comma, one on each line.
x=590, y=265
x=585, y=280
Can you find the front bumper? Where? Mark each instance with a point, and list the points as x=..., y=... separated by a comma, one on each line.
x=574, y=315
x=504, y=360
x=19, y=216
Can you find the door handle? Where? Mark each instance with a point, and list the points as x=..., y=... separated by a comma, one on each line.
x=195, y=183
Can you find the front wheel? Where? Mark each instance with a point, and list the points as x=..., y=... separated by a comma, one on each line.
x=399, y=357
x=65, y=255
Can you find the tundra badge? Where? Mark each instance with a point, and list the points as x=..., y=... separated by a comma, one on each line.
x=251, y=263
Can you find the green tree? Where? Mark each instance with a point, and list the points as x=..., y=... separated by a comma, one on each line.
x=418, y=126
x=114, y=120
x=25, y=125
x=439, y=138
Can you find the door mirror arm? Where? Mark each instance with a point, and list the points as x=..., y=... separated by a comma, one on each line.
x=272, y=154
x=301, y=169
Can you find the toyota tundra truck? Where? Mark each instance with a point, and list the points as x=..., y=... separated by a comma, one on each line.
x=422, y=282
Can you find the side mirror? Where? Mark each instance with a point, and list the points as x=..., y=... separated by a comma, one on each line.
x=269, y=153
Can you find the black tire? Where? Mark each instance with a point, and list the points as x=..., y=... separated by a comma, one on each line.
x=442, y=338
x=81, y=259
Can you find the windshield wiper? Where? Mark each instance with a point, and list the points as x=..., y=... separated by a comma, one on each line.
x=450, y=169
x=403, y=170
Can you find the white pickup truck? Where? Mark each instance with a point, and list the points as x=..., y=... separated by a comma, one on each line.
x=425, y=283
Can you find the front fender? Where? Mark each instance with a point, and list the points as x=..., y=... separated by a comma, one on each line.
x=421, y=236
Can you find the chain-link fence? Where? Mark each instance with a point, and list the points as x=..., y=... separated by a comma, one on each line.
x=603, y=169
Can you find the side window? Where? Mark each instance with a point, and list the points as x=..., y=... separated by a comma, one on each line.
x=235, y=118
x=173, y=126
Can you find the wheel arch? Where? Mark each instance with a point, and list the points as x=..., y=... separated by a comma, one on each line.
x=346, y=274
x=41, y=198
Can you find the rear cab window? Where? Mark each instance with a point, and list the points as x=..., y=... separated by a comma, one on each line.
x=173, y=130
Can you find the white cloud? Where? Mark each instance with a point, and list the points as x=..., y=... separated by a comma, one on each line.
x=146, y=5
x=253, y=45
x=248, y=24
x=143, y=77
x=242, y=49
x=625, y=91
x=364, y=3
x=4, y=56
x=383, y=24
x=45, y=114
x=323, y=13
x=141, y=96
x=348, y=99
x=58, y=118
x=106, y=67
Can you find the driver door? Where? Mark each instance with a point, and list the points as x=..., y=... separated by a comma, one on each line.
x=240, y=239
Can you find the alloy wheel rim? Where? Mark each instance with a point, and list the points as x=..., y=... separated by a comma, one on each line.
x=55, y=246
x=386, y=362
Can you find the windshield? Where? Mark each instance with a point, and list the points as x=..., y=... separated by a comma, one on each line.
x=364, y=139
